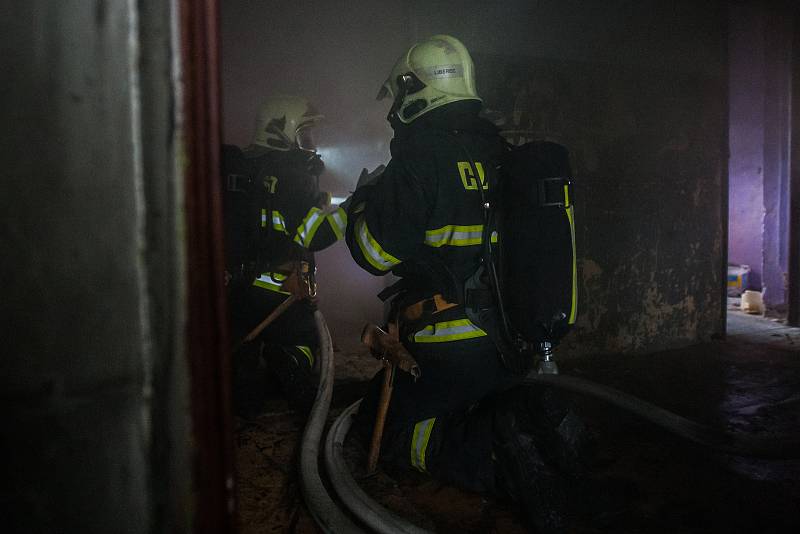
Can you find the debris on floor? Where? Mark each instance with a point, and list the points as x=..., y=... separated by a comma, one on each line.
x=645, y=479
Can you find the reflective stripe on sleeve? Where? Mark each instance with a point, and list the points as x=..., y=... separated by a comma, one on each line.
x=263, y=218
x=307, y=352
x=338, y=222
x=372, y=251
x=448, y=331
x=456, y=235
x=278, y=221
x=271, y=281
x=419, y=443
x=308, y=228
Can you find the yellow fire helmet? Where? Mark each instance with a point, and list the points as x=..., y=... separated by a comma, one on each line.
x=434, y=72
x=284, y=123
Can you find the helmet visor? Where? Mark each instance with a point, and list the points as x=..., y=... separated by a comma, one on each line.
x=305, y=139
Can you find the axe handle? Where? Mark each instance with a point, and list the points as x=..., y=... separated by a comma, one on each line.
x=282, y=307
x=380, y=417
x=269, y=319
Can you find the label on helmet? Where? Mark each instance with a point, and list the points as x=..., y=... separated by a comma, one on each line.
x=444, y=71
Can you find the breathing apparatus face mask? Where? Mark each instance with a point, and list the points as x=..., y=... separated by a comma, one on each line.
x=407, y=84
x=305, y=140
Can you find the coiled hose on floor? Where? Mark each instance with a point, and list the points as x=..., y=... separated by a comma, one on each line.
x=323, y=509
x=379, y=519
x=362, y=505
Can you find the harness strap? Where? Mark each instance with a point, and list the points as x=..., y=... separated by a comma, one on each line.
x=414, y=317
x=427, y=307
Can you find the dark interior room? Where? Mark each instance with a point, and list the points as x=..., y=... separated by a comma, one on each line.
x=401, y=266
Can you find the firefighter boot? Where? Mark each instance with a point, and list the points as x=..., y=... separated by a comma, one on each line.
x=293, y=367
x=562, y=435
x=523, y=473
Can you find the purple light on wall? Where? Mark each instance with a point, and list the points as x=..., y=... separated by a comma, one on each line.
x=759, y=97
x=746, y=137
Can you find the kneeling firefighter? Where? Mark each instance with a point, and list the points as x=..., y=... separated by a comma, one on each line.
x=435, y=218
x=275, y=218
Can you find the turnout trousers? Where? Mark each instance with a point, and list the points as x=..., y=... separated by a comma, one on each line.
x=442, y=423
x=284, y=350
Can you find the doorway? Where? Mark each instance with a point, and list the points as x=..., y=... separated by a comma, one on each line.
x=762, y=221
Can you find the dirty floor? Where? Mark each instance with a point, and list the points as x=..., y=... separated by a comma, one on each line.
x=644, y=479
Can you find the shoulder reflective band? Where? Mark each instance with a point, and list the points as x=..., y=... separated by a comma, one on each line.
x=455, y=235
x=307, y=352
x=419, y=443
x=278, y=222
x=271, y=281
x=574, y=309
x=338, y=222
x=309, y=226
x=372, y=251
x=448, y=331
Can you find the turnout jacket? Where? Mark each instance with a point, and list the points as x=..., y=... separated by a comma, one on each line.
x=294, y=209
x=422, y=219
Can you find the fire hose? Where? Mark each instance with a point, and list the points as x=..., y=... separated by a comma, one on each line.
x=322, y=507
x=379, y=519
x=772, y=448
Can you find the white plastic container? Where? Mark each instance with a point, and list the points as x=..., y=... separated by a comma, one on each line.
x=752, y=302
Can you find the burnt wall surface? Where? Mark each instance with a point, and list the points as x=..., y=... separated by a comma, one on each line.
x=648, y=152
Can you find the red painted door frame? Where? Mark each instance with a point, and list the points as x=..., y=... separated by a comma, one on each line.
x=207, y=337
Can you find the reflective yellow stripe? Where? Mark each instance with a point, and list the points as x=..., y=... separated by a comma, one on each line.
x=574, y=311
x=278, y=222
x=372, y=251
x=263, y=218
x=307, y=351
x=448, y=331
x=271, y=281
x=307, y=229
x=566, y=195
x=419, y=443
x=338, y=222
x=455, y=235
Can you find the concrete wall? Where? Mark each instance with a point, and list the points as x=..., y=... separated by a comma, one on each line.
x=647, y=153
x=636, y=90
x=760, y=104
x=92, y=378
x=777, y=109
x=746, y=165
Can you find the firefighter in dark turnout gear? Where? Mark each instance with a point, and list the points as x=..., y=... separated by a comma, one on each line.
x=275, y=178
x=422, y=219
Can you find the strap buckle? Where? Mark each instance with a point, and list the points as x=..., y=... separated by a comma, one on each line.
x=551, y=192
x=238, y=182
